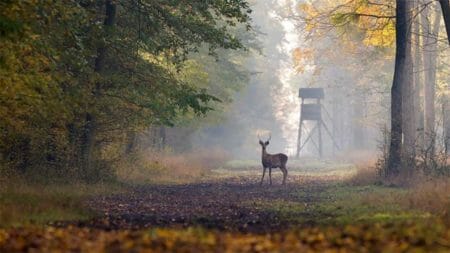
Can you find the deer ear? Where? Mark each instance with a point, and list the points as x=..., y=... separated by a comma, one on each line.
x=267, y=143
x=260, y=142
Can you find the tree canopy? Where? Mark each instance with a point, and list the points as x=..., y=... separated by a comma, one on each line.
x=77, y=75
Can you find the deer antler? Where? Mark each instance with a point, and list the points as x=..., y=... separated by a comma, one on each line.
x=259, y=137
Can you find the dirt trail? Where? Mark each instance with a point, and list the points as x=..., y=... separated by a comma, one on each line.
x=227, y=204
x=226, y=215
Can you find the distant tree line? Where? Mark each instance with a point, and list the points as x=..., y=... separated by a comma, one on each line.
x=404, y=109
x=410, y=32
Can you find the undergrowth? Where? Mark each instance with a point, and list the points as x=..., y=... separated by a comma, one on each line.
x=156, y=167
x=24, y=203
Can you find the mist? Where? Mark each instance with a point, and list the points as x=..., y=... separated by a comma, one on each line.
x=355, y=107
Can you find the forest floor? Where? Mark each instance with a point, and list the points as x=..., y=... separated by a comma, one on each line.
x=316, y=211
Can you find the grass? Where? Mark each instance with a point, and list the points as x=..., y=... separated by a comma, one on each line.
x=155, y=167
x=355, y=194
x=303, y=167
x=366, y=204
x=364, y=198
x=359, y=198
x=23, y=204
x=342, y=204
x=346, y=210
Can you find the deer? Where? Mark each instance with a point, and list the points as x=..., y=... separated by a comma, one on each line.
x=272, y=161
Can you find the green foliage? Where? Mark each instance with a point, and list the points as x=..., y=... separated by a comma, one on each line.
x=60, y=109
x=8, y=26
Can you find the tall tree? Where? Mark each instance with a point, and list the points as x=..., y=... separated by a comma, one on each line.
x=408, y=106
x=395, y=149
x=90, y=125
x=431, y=31
x=445, y=7
x=418, y=72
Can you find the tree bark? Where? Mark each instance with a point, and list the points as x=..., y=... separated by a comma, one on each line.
x=130, y=142
x=418, y=75
x=430, y=62
x=395, y=148
x=408, y=109
x=109, y=22
x=445, y=7
x=91, y=122
x=446, y=121
x=162, y=137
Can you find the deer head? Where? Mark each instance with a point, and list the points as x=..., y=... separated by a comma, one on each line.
x=264, y=144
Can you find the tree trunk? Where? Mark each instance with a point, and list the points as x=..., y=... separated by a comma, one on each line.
x=445, y=7
x=359, y=135
x=131, y=143
x=430, y=62
x=395, y=148
x=446, y=122
x=418, y=74
x=87, y=142
x=91, y=123
x=110, y=19
x=408, y=118
x=22, y=153
x=162, y=137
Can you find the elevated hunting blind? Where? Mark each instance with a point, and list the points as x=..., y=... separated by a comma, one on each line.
x=311, y=110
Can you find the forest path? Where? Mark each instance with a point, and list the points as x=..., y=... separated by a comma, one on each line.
x=235, y=203
x=236, y=214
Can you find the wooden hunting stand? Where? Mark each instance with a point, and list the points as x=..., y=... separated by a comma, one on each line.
x=312, y=112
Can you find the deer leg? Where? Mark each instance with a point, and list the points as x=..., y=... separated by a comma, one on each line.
x=264, y=172
x=284, y=170
x=270, y=175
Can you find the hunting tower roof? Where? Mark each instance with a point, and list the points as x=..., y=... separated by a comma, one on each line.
x=316, y=93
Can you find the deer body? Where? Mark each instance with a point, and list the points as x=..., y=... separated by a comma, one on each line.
x=272, y=161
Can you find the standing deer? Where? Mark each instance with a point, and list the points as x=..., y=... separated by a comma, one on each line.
x=272, y=161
